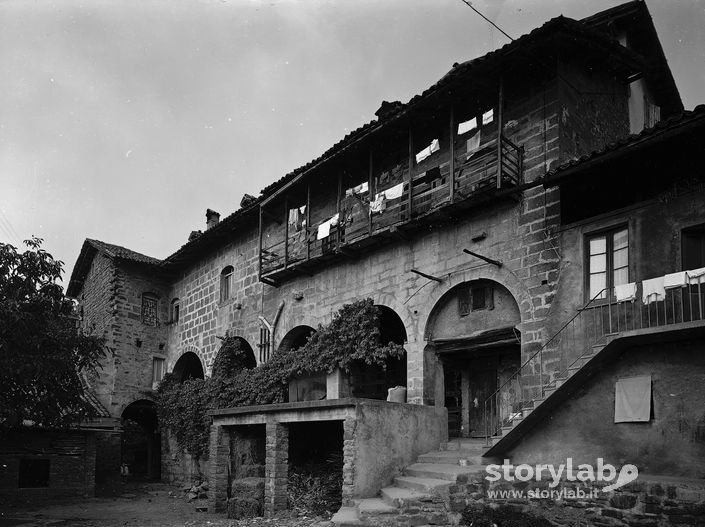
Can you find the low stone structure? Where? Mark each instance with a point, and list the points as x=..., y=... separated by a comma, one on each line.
x=379, y=439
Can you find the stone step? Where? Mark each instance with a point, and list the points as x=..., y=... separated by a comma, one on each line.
x=440, y=471
x=398, y=497
x=375, y=506
x=347, y=517
x=420, y=484
x=451, y=457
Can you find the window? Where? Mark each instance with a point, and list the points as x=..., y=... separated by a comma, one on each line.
x=693, y=247
x=157, y=369
x=175, y=307
x=608, y=261
x=226, y=277
x=149, y=309
x=33, y=473
x=265, y=343
x=474, y=298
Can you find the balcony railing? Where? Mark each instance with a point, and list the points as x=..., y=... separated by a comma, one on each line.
x=605, y=317
x=362, y=215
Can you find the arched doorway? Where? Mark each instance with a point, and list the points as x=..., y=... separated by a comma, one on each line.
x=188, y=367
x=473, y=331
x=306, y=387
x=234, y=355
x=373, y=382
x=141, y=440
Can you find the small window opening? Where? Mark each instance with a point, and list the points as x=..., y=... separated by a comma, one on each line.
x=175, y=308
x=149, y=309
x=265, y=343
x=226, y=277
x=474, y=299
x=157, y=369
x=33, y=473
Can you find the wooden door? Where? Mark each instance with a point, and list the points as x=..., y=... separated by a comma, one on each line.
x=482, y=384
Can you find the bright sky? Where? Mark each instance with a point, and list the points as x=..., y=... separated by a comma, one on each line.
x=124, y=120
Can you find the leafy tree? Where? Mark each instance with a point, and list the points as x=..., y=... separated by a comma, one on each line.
x=42, y=352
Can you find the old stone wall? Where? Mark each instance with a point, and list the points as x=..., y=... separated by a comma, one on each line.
x=71, y=458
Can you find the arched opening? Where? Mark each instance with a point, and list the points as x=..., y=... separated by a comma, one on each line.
x=308, y=387
x=234, y=355
x=141, y=441
x=296, y=338
x=373, y=382
x=188, y=367
x=473, y=332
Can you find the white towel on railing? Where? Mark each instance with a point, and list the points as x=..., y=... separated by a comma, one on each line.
x=324, y=228
x=359, y=189
x=625, y=292
x=395, y=192
x=473, y=143
x=652, y=290
x=435, y=146
x=466, y=126
x=673, y=280
x=696, y=275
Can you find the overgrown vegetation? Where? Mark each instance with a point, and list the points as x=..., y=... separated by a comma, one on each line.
x=42, y=350
x=352, y=336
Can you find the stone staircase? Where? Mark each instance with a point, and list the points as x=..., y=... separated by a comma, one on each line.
x=420, y=495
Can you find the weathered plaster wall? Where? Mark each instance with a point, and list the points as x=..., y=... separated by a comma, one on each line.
x=673, y=443
x=388, y=438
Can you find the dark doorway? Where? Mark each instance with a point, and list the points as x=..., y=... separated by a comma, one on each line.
x=141, y=440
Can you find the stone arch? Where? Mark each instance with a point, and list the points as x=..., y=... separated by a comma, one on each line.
x=228, y=360
x=501, y=276
x=189, y=366
x=373, y=382
x=141, y=440
x=295, y=337
x=473, y=348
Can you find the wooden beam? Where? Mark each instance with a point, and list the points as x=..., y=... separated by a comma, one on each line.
x=411, y=170
x=500, y=127
x=428, y=276
x=286, y=232
x=259, y=255
x=485, y=258
x=308, y=221
x=451, y=182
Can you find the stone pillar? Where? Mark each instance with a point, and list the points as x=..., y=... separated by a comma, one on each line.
x=415, y=371
x=465, y=402
x=276, y=470
x=218, y=469
x=337, y=385
x=349, y=460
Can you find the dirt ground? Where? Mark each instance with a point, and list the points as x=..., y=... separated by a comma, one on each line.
x=131, y=505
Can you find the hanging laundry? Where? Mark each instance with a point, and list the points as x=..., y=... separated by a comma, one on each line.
x=359, y=189
x=632, y=400
x=435, y=146
x=696, y=276
x=652, y=290
x=673, y=280
x=379, y=204
x=324, y=228
x=395, y=192
x=473, y=143
x=465, y=127
x=625, y=292
x=488, y=116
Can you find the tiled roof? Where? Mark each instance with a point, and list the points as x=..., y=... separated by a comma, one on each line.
x=648, y=135
x=116, y=251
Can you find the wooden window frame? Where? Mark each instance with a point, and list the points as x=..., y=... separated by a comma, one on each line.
x=608, y=233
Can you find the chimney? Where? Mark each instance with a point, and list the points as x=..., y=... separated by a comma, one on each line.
x=212, y=219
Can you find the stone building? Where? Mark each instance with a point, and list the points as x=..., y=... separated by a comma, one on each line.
x=505, y=221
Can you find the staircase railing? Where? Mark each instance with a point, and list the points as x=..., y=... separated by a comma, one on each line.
x=596, y=323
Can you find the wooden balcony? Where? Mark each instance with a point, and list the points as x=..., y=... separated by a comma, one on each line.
x=457, y=183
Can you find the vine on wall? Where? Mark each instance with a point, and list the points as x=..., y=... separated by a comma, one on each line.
x=352, y=336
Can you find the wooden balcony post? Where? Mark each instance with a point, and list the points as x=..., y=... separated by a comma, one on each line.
x=370, y=183
x=500, y=127
x=451, y=182
x=337, y=207
x=259, y=272
x=411, y=170
x=286, y=232
x=308, y=222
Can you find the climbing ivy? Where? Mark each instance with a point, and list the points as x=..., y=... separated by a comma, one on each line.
x=352, y=336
